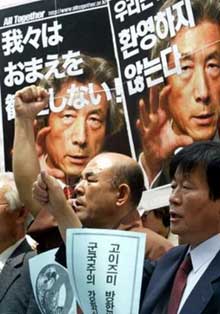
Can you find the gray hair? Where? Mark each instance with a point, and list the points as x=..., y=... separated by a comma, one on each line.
x=10, y=192
x=9, y=189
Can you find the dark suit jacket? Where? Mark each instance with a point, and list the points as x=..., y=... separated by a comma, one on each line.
x=16, y=294
x=157, y=283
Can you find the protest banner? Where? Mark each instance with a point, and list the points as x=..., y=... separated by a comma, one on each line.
x=34, y=37
x=168, y=60
x=156, y=83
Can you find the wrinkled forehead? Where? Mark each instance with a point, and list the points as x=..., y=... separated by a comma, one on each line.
x=204, y=41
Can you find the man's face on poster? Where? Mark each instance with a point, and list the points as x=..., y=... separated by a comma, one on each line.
x=194, y=100
x=76, y=135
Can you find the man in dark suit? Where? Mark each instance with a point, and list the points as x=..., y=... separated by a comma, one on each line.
x=16, y=295
x=195, y=217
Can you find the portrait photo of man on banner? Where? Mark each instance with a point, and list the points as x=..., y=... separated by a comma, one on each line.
x=169, y=63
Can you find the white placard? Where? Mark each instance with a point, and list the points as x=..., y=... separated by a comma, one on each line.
x=51, y=285
x=155, y=198
x=105, y=267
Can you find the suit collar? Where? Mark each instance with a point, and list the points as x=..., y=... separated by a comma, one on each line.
x=202, y=293
x=161, y=281
x=24, y=247
x=12, y=268
x=171, y=265
x=5, y=255
x=205, y=252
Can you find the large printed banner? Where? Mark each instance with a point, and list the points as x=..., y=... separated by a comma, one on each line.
x=168, y=54
x=161, y=65
x=48, y=41
x=137, y=29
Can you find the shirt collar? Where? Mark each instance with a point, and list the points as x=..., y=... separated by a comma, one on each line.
x=4, y=256
x=205, y=252
x=146, y=181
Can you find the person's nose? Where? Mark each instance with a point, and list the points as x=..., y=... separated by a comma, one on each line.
x=175, y=197
x=79, y=188
x=201, y=88
x=79, y=136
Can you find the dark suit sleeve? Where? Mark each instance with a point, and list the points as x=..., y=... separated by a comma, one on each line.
x=60, y=256
x=19, y=296
x=32, y=307
x=148, y=269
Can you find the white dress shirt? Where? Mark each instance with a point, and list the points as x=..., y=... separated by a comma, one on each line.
x=146, y=181
x=7, y=253
x=202, y=256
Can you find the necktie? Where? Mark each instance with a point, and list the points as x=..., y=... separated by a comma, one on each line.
x=68, y=191
x=179, y=285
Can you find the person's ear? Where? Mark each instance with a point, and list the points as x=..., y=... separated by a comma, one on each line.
x=40, y=140
x=123, y=194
